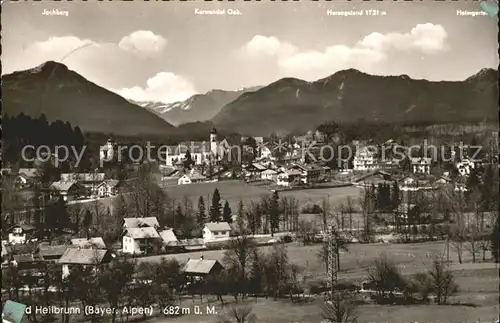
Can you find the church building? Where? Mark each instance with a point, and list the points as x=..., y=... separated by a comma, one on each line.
x=201, y=152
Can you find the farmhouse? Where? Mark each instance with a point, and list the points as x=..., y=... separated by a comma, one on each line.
x=69, y=191
x=140, y=222
x=75, y=257
x=140, y=240
x=93, y=242
x=289, y=178
x=201, y=268
x=216, y=230
x=19, y=234
x=108, y=188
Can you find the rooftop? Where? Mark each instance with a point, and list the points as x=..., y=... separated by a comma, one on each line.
x=218, y=226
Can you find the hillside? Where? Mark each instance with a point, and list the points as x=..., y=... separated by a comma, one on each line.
x=59, y=93
x=197, y=108
x=351, y=96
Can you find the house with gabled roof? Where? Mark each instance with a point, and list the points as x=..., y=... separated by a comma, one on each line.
x=108, y=188
x=216, y=230
x=201, y=268
x=137, y=241
x=140, y=222
x=76, y=257
x=69, y=190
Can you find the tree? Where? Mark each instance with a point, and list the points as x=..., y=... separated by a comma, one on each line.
x=239, y=314
x=442, y=282
x=227, y=213
x=87, y=222
x=114, y=280
x=201, y=212
x=57, y=217
x=215, y=208
x=386, y=278
x=146, y=198
x=495, y=237
x=307, y=231
x=367, y=203
x=325, y=212
x=274, y=213
x=253, y=216
x=238, y=256
x=341, y=308
x=240, y=218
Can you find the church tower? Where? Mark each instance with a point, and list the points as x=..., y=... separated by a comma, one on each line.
x=213, y=141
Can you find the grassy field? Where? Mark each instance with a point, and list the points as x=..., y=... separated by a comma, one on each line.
x=233, y=191
x=478, y=286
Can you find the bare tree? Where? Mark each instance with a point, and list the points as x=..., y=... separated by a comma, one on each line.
x=442, y=282
x=341, y=308
x=386, y=278
x=239, y=255
x=239, y=314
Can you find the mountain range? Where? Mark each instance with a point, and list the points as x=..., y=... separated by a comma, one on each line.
x=293, y=105
x=199, y=107
x=285, y=106
x=59, y=93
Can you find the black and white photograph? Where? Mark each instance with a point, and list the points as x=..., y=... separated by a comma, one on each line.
x=250, y=162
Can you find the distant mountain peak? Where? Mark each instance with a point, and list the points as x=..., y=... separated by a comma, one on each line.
x=484, y=73
x=48, y=67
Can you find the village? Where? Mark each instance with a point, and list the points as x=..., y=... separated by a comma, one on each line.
x=288, y=197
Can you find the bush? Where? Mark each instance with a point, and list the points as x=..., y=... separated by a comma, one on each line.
x=311, y=208
x=287, y=239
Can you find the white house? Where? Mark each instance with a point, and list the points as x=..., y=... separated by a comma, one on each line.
x=216, y=230
x=269, y=174
x=289, y=178
x=192, y=177
x=365, y=159
x=465, y=167
x=421, y=165
x=108, y=188
x=138, y=241
x=19, y=234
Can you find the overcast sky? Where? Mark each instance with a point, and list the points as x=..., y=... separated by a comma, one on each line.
x=163, y=51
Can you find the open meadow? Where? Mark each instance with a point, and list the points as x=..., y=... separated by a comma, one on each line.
x=233, y=191
x=477, y=299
